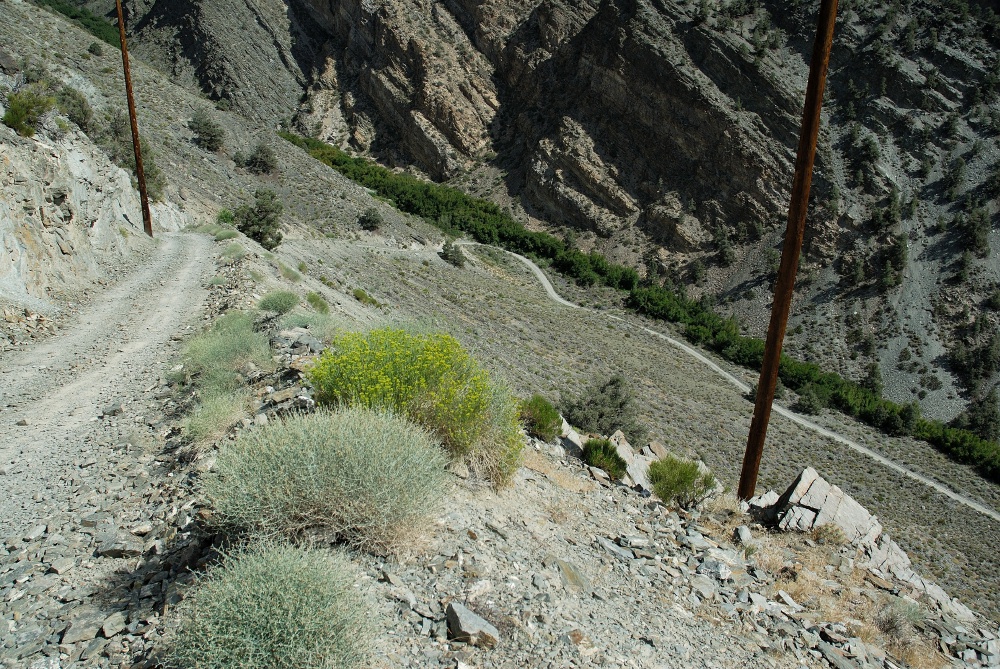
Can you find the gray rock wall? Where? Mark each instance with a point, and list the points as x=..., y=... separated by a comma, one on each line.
x=66, y=214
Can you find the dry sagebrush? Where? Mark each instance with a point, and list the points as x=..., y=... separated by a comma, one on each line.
x=275, y=607
x=370, y=479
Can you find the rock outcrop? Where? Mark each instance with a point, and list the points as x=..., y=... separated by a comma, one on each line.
x=811, y=502
x=599, y=107
x=67, y=214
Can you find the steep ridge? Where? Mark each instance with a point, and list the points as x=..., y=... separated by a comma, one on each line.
x=261, y=75
x=662, y=133
x=201, y=182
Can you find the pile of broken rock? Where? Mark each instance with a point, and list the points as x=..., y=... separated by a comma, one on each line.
x=812, y=502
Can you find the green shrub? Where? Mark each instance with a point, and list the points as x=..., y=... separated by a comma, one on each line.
x=95, y=49
x=278, y=301
x=541, y=419
x=208, y=134
x=213, y=358
x=275, y=606
x=262, y=221
x=364, y=298
x=370, y=220
x=225, y=217
x=809, y=401
x=680, y=481
x=75, y=106
x=434, y=381
x=601, y=453
x=606, y=406
x=26, y=108
x=317, y=302
x=260, y=161
x=223, y=235
x=368, y=478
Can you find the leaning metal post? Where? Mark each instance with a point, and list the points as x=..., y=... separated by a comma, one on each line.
x=147, y=218
x=790, y=252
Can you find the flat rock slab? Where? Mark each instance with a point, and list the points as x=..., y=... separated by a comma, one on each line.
x=464, y=625
x=84, y=627
x=113, y=624
x=572, y=578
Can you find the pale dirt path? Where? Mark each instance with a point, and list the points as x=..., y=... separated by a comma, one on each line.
x=743, y=388
x=112, y=351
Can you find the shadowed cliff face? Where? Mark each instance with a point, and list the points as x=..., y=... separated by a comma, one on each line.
x=255, y=56
x=668, y=134
x=598, y=110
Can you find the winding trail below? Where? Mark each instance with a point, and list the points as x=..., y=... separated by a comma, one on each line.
x=52, y=394
x=743, y=388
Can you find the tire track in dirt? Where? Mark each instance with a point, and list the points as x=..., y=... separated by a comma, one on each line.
x=743, y=388
x=112, y=351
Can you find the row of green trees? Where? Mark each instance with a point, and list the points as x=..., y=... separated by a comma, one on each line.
x=710, y=330
x=96, y=25
x=453, y=210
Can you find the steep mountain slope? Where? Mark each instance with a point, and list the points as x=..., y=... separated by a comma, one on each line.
x=499, y=311
x=663, y=132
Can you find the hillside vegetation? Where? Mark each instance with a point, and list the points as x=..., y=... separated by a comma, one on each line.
x=453, y=210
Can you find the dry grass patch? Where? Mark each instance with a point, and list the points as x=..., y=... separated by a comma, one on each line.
x=873, y=616
x=537, y=462
x=214, y=416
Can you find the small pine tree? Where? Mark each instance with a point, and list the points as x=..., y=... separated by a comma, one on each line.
x=982, y=417
x=261, y=222
x=208, y=134
x=453, y=254
x=370, y=220
x=605, y=407
x=261, y=161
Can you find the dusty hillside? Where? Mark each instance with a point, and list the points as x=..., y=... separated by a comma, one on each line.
x=107, y=521
x=662, y=133
x=318, y=201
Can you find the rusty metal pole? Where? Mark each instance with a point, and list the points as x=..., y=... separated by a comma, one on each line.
x=790, y=252
x=147, y=218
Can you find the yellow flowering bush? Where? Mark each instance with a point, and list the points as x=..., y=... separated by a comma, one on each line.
x=431, y=379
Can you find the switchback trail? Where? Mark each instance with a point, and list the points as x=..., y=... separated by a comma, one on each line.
x=52, y=394
x=744, y=388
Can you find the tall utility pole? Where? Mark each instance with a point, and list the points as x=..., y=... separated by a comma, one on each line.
x=147, y=218
x=790, y=252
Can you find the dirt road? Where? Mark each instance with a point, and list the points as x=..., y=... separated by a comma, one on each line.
x=780, y=410
x=52, y=396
